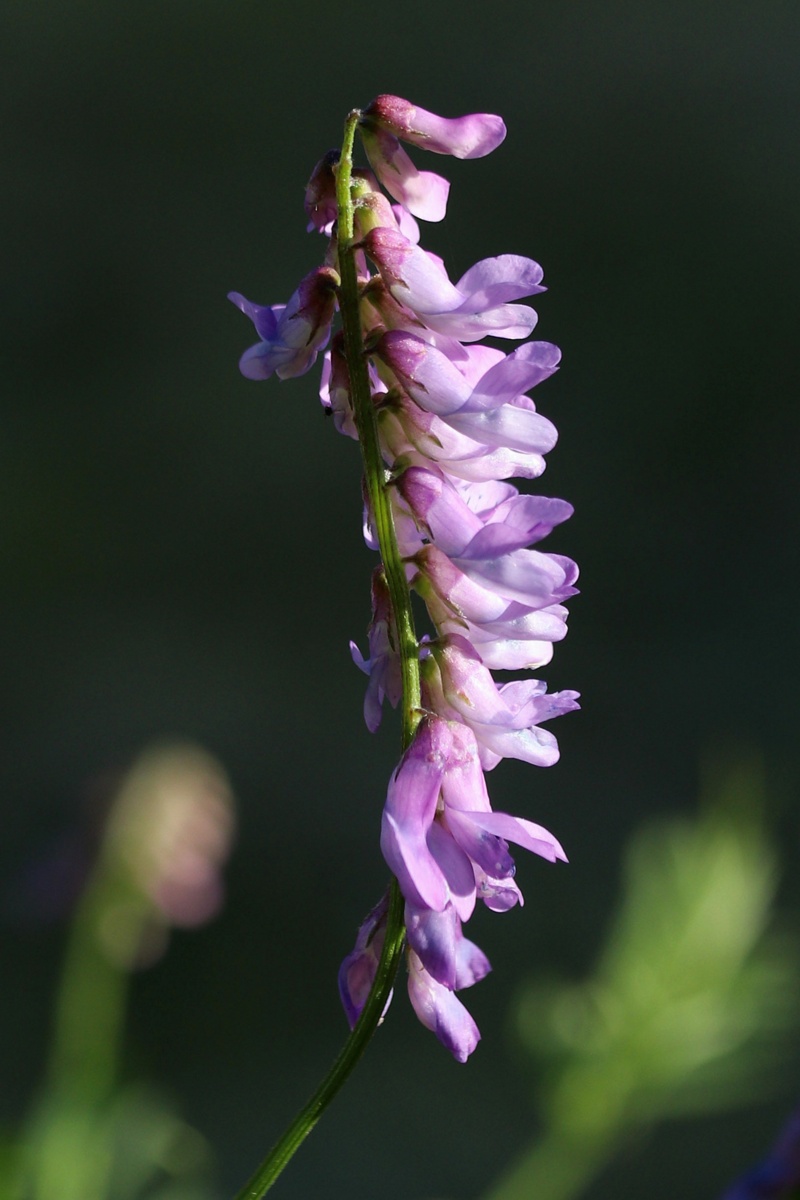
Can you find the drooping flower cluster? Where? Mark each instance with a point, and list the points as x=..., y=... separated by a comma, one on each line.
x=455, y=423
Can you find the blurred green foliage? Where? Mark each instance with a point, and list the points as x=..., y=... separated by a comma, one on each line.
x=91, y=1133
x=131, y=1146
x=685, y=1011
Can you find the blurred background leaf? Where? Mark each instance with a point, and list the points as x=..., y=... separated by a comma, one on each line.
x=690, y=1003
x=90, y=1134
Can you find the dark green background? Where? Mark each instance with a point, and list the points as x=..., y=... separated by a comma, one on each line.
x=181, y=548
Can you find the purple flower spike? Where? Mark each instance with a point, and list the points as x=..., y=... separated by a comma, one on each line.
x=454, y=422
x=472, y=136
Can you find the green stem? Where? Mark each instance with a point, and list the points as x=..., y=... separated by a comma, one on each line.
x=351, y=1052
x=90, y=1008
x=68, y=1150
x=375, y=473
x=377, y=489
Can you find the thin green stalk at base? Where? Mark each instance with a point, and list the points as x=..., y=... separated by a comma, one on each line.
x=351, y=1052
x=366, y=423
x=408, y=649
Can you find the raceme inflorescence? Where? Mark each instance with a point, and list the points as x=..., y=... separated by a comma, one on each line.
x=444, y=422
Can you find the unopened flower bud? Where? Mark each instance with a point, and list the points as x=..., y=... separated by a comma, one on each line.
x=472, y=136
x=320, y=199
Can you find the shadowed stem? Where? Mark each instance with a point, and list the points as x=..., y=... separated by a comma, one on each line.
x=376, y=483
x=375, y=473
x=351, y=1052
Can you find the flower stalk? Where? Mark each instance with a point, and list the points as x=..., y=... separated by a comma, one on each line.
x=442, y=422
x=375, y=473
x=284, y=1149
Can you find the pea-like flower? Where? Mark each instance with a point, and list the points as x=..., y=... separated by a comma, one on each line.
x=476, y=306
x=472, y=136
x=438, y=824
x=291, y=334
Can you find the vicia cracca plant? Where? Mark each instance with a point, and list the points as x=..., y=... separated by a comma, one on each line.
x=443, y=421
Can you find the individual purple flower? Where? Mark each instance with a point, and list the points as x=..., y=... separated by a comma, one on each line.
x=440, y=1010
x=407, y=432
x=291, y=334
x=520, y=638
x=440, y=386
x=441, y=512
x=437, y=822
x=423, y=193
x=437, y=939
x=358, y=970
x=504, y=719
x=489, y=408
x=408, y=842
x=481, y=590
x=473, y=308
x=472, y=136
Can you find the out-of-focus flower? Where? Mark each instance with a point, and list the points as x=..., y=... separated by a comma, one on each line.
x=169, y=833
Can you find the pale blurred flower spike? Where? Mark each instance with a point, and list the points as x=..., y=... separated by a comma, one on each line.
x=92, y=1133
x=168, y=835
